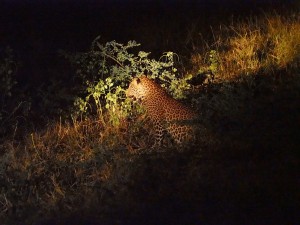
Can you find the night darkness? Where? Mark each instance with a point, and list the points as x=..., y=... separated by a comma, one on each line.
x=59, y=166
x=39, y=28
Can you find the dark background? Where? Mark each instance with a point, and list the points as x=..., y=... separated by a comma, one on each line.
x=36, y=29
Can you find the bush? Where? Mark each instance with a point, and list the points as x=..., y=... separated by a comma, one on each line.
x=107, y=69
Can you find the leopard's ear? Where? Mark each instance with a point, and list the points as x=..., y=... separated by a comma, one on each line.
x=138, y=80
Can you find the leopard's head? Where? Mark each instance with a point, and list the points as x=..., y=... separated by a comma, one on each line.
x=138, y=88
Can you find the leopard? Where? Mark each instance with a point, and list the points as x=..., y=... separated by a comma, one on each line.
x=167, y=114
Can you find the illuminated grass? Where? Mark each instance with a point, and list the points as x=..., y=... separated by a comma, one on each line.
x=259, y=44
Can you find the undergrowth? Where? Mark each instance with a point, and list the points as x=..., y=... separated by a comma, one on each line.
x=87, y=166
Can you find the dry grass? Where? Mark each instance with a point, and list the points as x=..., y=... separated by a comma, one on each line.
x=45, y=167
x=266, y=43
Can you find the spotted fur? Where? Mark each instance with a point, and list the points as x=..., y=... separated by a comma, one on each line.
x=166, y=113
